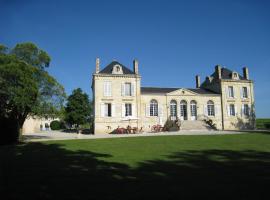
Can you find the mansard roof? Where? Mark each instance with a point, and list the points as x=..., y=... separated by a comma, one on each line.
x=156, y=90
x=226, y=74
x=109, y=68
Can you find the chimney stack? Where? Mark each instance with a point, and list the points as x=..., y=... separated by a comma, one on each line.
x=245, y=73
x=97, y=65
x=198, y=81
x=136, y=66
x=218, y=71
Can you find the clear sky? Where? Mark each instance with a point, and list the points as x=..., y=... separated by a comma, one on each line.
x=173, y=40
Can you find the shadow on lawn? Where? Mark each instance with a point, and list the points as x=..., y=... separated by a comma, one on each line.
x=37, y=170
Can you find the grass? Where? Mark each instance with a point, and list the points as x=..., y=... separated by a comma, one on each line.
x=263, y=123
x=164, y=167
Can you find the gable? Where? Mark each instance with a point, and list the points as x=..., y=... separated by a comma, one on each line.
x=181, y=92
x=111, y=69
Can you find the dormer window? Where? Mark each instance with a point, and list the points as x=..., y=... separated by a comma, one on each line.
x=117, y=69
x=235, y=75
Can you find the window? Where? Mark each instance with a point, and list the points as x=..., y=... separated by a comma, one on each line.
x=107, y=89
x=210, y=108
x=127, y=89
x=193, y=108
x=230, y=90
x=128, y=108
x=232, y=110
x=173, y=109
x=107, y=109
x=246, y=110
x=153, y=108
x=244, y=92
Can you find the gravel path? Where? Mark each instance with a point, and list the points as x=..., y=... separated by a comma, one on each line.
x=58, y=135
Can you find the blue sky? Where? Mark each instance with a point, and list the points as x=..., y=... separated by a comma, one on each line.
x=173, y=40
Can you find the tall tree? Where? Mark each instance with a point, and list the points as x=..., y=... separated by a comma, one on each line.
x=25, y=88
x=78, y=108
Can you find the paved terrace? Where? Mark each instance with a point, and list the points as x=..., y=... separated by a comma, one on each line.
x=58, y=135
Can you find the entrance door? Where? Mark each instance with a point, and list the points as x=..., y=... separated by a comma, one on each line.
x=193, y=110
x=183, y=110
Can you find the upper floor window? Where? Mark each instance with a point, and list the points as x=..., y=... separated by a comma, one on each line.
x=244, y=92
x=127, y=89
x=210, y=108
x=153, y=108
x=107, y=88
x=230, y=92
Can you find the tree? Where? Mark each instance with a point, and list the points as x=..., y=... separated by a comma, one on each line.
x=25, y=88
x=78, y=108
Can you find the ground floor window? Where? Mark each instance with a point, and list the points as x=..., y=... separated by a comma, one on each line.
x=246, y=110
x=173, y=110
x=153, y=108
x=210, y=108
x=128, y=107
x=107, y=109
x=232, y=110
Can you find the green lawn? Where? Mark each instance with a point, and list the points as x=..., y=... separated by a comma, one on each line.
x=164, y=167
x=263, y=123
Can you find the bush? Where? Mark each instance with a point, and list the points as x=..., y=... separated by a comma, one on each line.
x=57, y=125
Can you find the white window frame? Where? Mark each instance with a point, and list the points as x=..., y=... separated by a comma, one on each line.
x=244, y=92
x=153, y=108
x=128, y=89
x=232, y=110
x=210, y=109
x=230, y=92
x=173, y=109
x=128, y=109
x=106, y=110
x=107, y=88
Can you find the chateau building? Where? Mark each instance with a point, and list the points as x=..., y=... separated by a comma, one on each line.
x=225, y=101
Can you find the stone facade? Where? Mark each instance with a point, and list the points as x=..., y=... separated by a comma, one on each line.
x=225, y=97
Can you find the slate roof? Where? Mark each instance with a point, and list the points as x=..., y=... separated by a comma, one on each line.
x=226, y=74
x=108, y=69
x=156, y=90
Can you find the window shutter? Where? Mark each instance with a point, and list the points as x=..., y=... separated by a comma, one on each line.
x=104, y=89
x=228, y=110
x=234, y=92
x=242, y=110
x=132, y=89
x=147, y=110
x=227, y=91
x=113, y=110
x=102, y=110
x=123, y=110
x=123, y=89
x=205, y=110
x=248, y=92
x=249, y=110
x=133, y=111
x=109, y=88
x=216, y=110
x=160, y=110
x=235, y=109
x=241, y=92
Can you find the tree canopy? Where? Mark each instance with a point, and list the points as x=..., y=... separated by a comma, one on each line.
x=78, y=108
x=25, y=87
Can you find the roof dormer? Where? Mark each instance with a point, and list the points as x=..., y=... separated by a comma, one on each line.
x=235, y=76
x=117, y=69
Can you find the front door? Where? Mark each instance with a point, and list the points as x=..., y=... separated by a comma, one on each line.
x=183, y=110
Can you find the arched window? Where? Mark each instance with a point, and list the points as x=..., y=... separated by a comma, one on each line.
x=183, y=110
x=210, y=108
x=173, y=109
x=153, y=108
x=193, y=110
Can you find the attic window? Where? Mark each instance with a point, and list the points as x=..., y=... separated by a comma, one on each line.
x=117, y=69
x=235, y=75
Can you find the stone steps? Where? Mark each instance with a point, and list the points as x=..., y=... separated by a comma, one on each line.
x=194, y=125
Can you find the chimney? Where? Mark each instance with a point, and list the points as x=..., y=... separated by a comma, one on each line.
x=198, y=81
x=136, y=66
x=218, y=71
x=97, y=65
x=245, y=73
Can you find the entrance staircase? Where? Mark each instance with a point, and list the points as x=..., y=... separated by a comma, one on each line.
x=194, y=125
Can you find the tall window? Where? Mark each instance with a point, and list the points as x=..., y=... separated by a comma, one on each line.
x=127, y=89
x=173, y=109
x=232, y=110
x=107, y=109
x=193, y=108
x=246, y=110
x=230, y=90
x=107, y=88
x=128, y=107
x=153, y=108
x=210, y=108
x=245, y=92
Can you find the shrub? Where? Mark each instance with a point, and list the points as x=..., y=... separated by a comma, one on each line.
x=57, y=125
